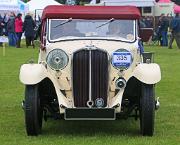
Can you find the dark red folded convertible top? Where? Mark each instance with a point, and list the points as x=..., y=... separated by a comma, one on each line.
x=91, y=12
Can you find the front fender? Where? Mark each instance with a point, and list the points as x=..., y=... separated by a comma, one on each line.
x=32, y=73
x=148, y=73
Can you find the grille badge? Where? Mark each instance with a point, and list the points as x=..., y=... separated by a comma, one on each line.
x=99, y=102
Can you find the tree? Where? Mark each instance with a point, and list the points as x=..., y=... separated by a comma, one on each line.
x=61, y=1
x=25, y=1
x=176, y=2
x=64, y=1
x=78, y=1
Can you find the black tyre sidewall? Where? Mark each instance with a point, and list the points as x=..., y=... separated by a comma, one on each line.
x=147, y=110
x=33, y=110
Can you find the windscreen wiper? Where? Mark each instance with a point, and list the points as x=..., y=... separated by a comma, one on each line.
x=109, y=21
x=64, y=22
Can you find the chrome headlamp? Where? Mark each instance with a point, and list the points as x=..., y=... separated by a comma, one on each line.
x=57, y=59
x=122, y=59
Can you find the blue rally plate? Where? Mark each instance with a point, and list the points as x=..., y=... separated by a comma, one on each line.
x=122, y=60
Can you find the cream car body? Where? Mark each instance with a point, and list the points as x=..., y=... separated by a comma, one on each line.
x=52, y=81
x=148, y=73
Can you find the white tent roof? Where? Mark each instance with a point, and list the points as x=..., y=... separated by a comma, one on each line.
x=40, y=4
x=23, y=6
x=138, y=3
x=13, y=5
x=9, y=5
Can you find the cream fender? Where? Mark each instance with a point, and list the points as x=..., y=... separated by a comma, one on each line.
x=32, y=73
x=147, y=73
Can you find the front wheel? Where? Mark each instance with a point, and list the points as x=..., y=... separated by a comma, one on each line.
x=147, y=110
x=33, y=110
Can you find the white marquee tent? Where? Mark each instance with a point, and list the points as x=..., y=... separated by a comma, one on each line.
x=138, y=3
x=13, y=5
x=40, y=4
x=9, y=5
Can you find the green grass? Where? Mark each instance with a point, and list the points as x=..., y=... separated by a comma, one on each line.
x=12, y=128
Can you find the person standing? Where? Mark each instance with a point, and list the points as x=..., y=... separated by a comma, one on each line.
x=159, y=33
x=28, y=29
x=176, y=29
x=1, y=27
x=18, y=29
x=5, y=20
x=171, y=40
x=164, y=24
x=11, y=30
x=149, y=22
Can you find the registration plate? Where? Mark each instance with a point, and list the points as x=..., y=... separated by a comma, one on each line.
x=122, y=59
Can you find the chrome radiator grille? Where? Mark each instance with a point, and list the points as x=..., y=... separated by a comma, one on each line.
x=90, y=77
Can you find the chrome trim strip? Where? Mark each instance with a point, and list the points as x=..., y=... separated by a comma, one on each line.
x=72, y=80
x=90, y=81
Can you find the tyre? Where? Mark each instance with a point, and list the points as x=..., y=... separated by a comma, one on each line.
x=147, y=110
x=33, y=110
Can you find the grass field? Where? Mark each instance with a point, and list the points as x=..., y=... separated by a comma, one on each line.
x=12, y=128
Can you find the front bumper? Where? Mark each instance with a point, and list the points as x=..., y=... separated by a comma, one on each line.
x=90, y=114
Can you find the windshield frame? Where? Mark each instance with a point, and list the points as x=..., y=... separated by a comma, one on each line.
x=91, y=38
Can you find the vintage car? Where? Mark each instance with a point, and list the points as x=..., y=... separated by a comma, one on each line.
x=91, y=66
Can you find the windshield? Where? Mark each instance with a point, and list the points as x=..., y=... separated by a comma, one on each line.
x=63, y=29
